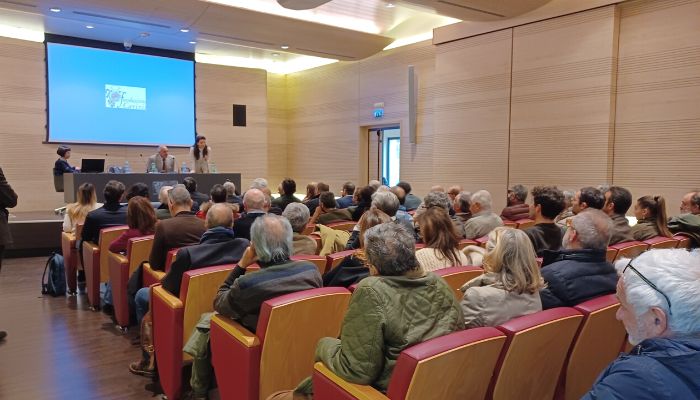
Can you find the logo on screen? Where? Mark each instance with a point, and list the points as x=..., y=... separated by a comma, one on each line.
x=125, y=97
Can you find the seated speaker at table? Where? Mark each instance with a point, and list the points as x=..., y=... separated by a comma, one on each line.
x=162, y=160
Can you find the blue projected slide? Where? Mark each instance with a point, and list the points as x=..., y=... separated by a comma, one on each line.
x=106, y=96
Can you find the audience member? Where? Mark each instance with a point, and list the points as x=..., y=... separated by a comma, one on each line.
x=242, y=294
x=163, y=211
x=161, y=161
x=254, y=202
x=651, y=218
x=567, y=212
x=389, y=204
x=461, y=205
x=310, y=192
x=453, y=192
x=8, y=199
x=375, y=184
x=231, y=196
x=216, y=247
x=346, y=195
x=183, y=229
x=617, y=201
x=269, y=208
x=440, y=200
x=483, y=220
x=191, y=186
x=579, y=271
x=412, y=201
x=286, y=190
x=402, y=299
x=688, y=223
x=76, y=212
x=401, y=195
x=364, y=202
x=353, y=268
x=259, y=183
x=313, y=203
x=516, y=208
x=510, y=287
x=327, y=212
x=298, y=216
x=587, y=197
x=441, y=241
x=437, y=189
x=141, y=220
x=659, y=295
x=218, y=195
x=138, y=189
x=112, y=213
x=548, y=203
x=61, y=166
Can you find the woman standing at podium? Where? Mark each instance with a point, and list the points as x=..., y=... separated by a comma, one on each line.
x=201, y=154
x=61, y=166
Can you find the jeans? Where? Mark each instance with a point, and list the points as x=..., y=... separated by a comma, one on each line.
x=142, y=300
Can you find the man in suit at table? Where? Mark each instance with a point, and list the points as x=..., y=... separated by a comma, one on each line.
x=162, y=160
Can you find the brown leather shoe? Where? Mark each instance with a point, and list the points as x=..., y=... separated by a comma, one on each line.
x=147, y=365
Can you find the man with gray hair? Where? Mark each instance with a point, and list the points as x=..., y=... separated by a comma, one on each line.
x=516, y=208
x=298, y=216
x=688, y=222
x=258, y=183
x=442, y=200
x=579, y=271
x=483, y=220
x=161, y=161
x=231, y=196
x=254, y=201
x=659, y=295
x=389, y=203
x=242, y=294
x=461, y=206
x=183, y=229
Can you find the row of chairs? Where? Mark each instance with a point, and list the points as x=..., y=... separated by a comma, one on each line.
x=634, y=248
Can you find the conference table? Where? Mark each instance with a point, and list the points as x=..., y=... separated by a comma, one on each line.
x=155, y=181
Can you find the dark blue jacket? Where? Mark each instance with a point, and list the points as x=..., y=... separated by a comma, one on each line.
x=656, y=369
x=62, y=167
x=574, y=276
x=345, y=201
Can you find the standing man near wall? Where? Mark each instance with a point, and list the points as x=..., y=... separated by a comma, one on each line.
x=8, y=199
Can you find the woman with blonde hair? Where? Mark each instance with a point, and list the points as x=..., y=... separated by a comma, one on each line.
x=353, y=268
x=76, y=212
x=441, y=241
x=510, y=286
x=651, y=218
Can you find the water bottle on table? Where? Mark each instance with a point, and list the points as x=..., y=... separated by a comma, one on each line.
x=212, y=168
x=127, y=167
x=184, y=169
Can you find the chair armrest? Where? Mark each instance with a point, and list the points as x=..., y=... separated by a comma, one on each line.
x=231, y=341
x=151, y=276
x=328, y=385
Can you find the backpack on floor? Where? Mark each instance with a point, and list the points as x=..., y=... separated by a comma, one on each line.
x=55, y=285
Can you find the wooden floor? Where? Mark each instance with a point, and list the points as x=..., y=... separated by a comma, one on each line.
x=58, y=349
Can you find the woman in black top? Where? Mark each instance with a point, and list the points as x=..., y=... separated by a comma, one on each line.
x=61, y=166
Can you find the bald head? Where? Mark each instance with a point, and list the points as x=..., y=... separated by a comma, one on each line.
x=254, y=199
x=219, y=215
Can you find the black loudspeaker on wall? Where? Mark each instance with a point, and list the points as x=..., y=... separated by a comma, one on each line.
x=239, y=115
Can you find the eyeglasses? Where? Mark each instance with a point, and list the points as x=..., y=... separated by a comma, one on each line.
x=648, y=282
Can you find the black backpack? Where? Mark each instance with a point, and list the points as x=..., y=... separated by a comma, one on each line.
x=55, y=285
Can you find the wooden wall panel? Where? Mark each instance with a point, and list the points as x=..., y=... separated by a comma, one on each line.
x=472, y=106
x=657, y=130
x=276, y=129
x=563, y=92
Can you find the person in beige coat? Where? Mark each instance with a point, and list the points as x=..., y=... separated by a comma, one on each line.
x=510, y=287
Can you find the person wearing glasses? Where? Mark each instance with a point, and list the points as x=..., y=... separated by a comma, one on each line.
x=659, y=294
x=579, y=271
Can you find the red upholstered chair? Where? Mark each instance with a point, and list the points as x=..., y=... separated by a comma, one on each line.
x=347, y=226
x=151, y=276
x=611, y=254
x=596, y=345
x=482, y=240
x=280, y=353
x=318, y=261
x=510, y=224
x=683, y=241
x=310, y=228
x=420, y=246
x=174, y=319
x=629, y=249
x=534, y=354
x=467, y=242
x=454, y=366
x=352, y=287
x=333, y=260
x=120, y=269
x=661, y=242
x=95, y=259
x=71, y=257
x=525, y=223
x=458, y=276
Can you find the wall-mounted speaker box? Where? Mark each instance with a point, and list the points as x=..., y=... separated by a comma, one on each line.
x=239, y=115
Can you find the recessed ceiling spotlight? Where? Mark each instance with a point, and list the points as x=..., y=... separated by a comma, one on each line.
x=55, y=9
x=275, y=54
x=184, y=30
x=193, y=42
x=284, y=47
x=89, y=26
x=390, y=5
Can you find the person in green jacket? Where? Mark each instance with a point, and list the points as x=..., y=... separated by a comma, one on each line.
x=688, y=223
x=396, y=307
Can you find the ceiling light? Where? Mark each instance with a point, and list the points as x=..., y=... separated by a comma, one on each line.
x=390, y=5
x=89, y=26
x=55, y=9
x=284, y=47
x=193, y=42
x=184, y=30
x=276, y=67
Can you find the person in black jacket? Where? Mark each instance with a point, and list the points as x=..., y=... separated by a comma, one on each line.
x=580, y=271
x=61, y=166
x=548, y=203
x=254, y=201
x=191, y=186
x=112, y=213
